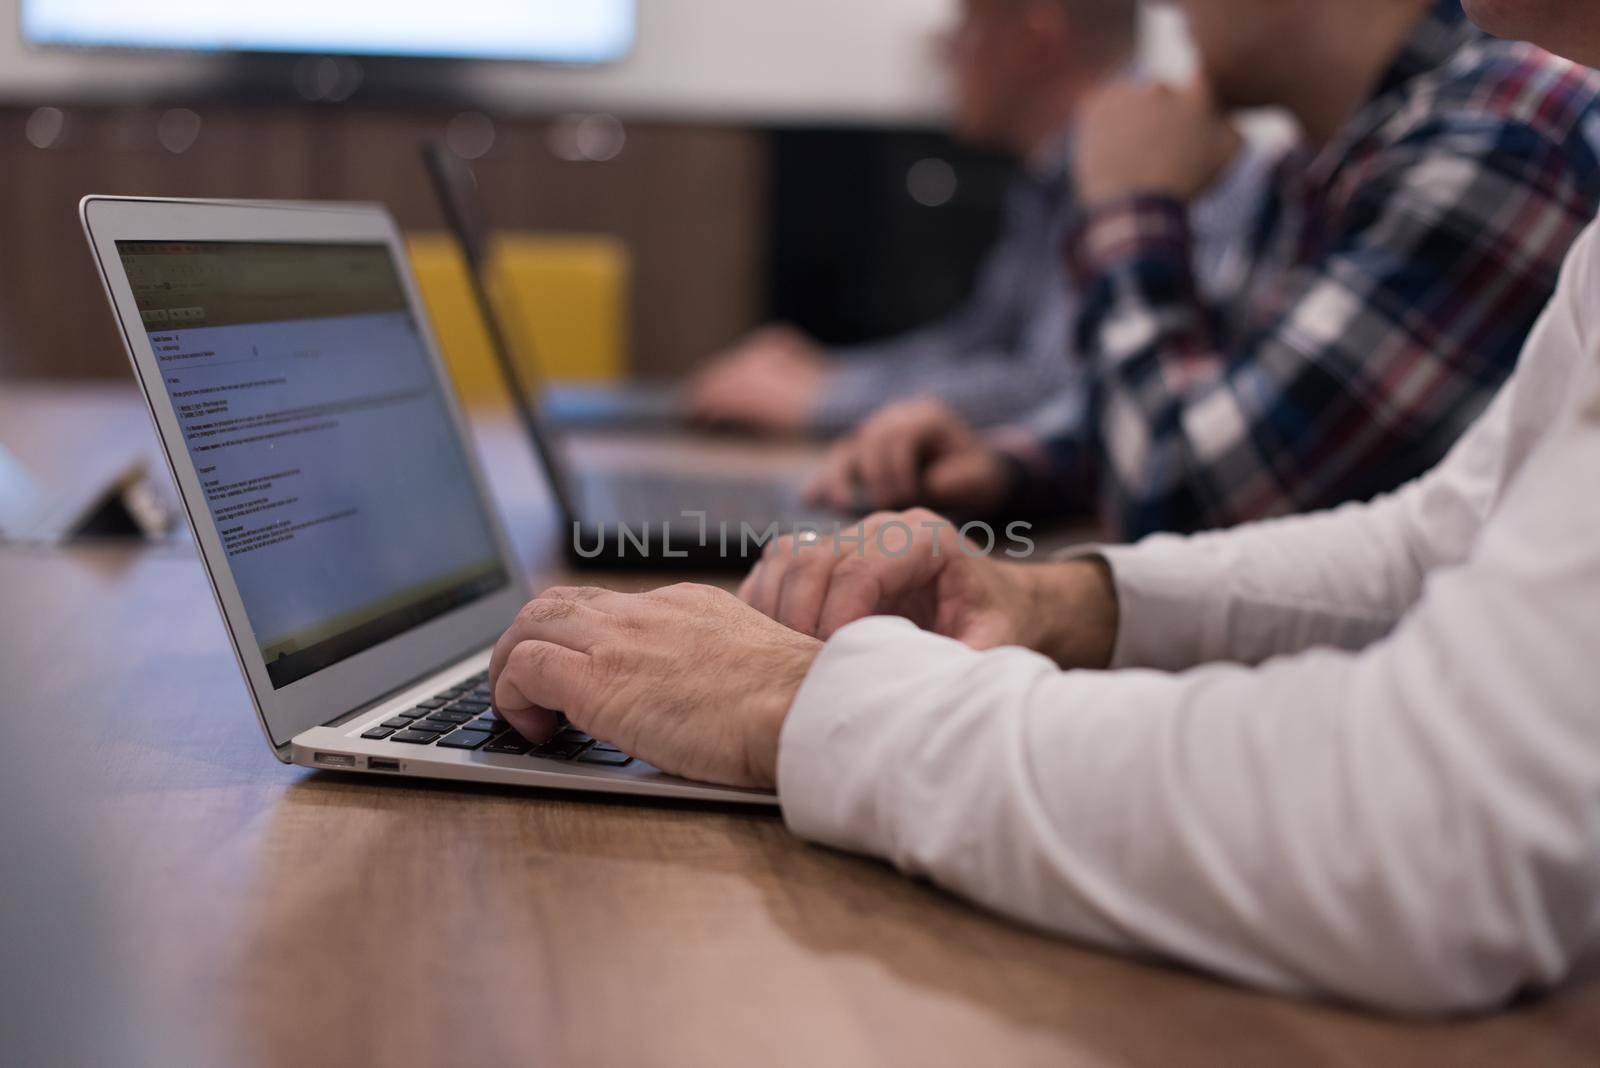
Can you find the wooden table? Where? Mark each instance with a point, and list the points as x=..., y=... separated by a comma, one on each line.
x=274, y=915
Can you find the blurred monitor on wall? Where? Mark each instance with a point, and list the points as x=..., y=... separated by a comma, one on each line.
x=555, y=31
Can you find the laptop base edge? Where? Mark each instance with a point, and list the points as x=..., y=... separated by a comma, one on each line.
x=332, y=749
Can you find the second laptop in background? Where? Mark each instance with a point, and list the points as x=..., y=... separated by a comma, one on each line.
x=641, y=517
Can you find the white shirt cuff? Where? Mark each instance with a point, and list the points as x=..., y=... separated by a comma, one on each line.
x=824, y=723
x=1165, y=604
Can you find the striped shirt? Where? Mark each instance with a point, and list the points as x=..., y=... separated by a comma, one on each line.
x=1393, y=278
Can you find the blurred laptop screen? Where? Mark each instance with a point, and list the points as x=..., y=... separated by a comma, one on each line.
x=331, y=466
x=590, y=31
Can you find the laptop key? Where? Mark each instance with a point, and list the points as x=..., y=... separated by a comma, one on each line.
x=450, y=716
x=463, y=739
x=414, y=737
x=611, y=757
x=493, y=726
x=468, y=705
x=509, y=742
x=378, y=732
x=397, y=723
x=415, y=713
x=559, y=748
x=433, y=728
x=434, y=702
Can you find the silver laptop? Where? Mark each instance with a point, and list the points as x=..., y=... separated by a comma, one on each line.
x=324, y=465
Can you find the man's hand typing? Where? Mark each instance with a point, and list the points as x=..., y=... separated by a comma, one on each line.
x=686, y=678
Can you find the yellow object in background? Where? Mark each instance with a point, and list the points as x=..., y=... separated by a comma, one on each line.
x=563, y=302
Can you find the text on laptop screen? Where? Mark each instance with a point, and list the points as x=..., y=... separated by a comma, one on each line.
x=330, y=464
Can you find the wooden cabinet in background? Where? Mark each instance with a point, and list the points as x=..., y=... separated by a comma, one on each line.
x=689, y=202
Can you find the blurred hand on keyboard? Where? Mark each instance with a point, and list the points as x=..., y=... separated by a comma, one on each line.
x=769, y=382
x=914, y=453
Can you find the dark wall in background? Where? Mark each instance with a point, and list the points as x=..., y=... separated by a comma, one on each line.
x=727, y=225
x=876, y=231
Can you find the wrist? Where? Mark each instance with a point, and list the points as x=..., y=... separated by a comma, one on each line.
x=1097, y=194
x=772, y=704
x=1111, y=235
x=1073, y=611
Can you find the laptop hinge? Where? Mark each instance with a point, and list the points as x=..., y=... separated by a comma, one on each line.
x=362, y=710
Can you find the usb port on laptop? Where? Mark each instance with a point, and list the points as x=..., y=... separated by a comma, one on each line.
x=382, y=764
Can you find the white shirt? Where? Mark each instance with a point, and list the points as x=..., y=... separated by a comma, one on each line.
x=1384, y=782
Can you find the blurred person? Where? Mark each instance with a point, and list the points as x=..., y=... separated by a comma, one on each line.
x=1396, y=266
x=1355, y=753
x=1020, y=70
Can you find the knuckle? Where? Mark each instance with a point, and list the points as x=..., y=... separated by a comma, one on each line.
x=856, y=568
x=878, y=521
x=859, y=582
x=623, y=631
x=542, y=610
x=527, y=657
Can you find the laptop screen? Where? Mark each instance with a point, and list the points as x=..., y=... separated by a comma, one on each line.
x=331, y=467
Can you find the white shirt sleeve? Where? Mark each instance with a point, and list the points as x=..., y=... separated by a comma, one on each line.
x=1405, y=812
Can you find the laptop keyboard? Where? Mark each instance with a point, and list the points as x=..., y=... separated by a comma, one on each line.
x=647, y=495
x=460, y=718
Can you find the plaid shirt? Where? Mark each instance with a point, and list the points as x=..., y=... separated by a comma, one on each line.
x=1394, y=277
x=1002, y=349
